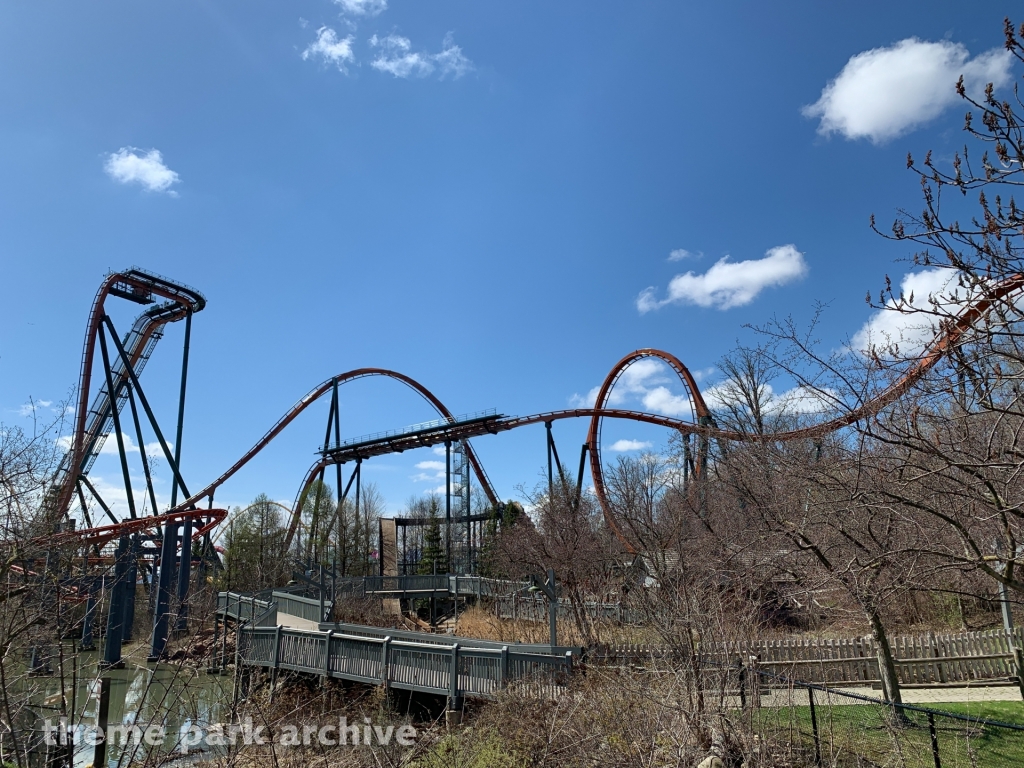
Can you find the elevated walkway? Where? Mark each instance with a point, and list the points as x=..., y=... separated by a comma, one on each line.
x=428, y=586
x=456, y=667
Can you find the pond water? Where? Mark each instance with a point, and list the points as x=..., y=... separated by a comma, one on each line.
x=154, y=708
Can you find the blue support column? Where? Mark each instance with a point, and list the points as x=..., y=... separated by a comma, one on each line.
x=448, y=503
x=131, y=577
x=115, y=617
x=184, y=575
x=90, y=613
x=168, y=551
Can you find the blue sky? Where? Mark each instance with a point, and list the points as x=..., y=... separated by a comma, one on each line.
x=499, y=200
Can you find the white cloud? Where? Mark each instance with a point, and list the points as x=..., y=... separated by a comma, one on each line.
x=153, y=450
x=433, y=471
x=438, y=450
x=644, y=386
x=661, y=400
x=29, y=408
x=636, y=380
x=679, y=254
x=644, y=381
x=885, y=92
x=629, y=445
x=127, y=166
x=797, y=400
x=576, y=400
x=397, y=58
x=114, y=495
x=730, y=284
x=330, y=49
x=110, y=446
x=451, y=60
x=806, y=400
x=362, y=7
x=911, y=331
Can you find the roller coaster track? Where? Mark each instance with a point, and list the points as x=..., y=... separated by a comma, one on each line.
x=92, y=424
x=105, y=533
x=311, y=397
x=702, y=425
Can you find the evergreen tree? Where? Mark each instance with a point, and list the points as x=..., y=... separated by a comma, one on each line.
x=434, y=557
x=254, y=547
x=501, y=517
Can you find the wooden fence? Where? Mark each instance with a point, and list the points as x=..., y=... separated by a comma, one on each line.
x=932, y=658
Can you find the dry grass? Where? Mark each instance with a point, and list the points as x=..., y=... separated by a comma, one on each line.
x=481, y=623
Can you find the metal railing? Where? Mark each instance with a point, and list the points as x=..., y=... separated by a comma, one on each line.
x=447, y=583
x=310, y=609
x=403, y=431
x=428, y=583
x=362, y=630
x=248, y=608
x=454, y=670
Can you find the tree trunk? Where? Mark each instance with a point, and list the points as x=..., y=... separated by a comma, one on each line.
x=886, y=664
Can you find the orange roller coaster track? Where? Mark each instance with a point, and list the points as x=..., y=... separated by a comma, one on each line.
x=184, y=300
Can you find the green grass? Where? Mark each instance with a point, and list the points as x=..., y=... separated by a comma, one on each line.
x=864, y=734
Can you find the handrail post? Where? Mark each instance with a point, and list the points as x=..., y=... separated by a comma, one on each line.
x=453, y=715
x=453, y=690
x=238, y=665
x=277, y=661
x=503, y=671
x=327, y=654
x=385, y=669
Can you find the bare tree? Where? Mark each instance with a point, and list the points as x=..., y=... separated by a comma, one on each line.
x=564, y=534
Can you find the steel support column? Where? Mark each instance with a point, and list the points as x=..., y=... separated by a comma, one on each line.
x=168, y=550
x=337, y=467
x=184, y=575
x=117, y=424
x=359, y=480
x=551, y=475
x=181, y=410
x=448, y=502
x=142, y=451
x=579, y=476
x=90, y=613
x=115, y=615
x=145, y=406
x=131, y=576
